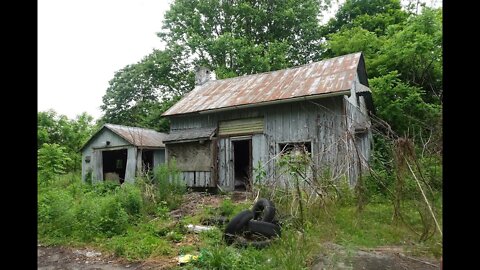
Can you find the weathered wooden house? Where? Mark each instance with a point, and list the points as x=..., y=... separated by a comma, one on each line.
x=118, y=153
x=222, y=129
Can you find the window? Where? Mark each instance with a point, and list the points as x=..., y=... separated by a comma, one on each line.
x=301, y=147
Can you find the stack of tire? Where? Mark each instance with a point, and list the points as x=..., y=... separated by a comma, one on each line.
x=254, y=227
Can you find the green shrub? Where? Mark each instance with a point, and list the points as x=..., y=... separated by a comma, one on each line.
x=130, y=199
x=137, y=245
x=227, y=207
x=52, y=161
x=113, y=217
x=169, y=185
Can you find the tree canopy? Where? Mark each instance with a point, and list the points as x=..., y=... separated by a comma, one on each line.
x=138, y=93
x=238, y=37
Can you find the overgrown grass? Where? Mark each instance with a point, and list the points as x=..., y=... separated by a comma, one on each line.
x=124, y=221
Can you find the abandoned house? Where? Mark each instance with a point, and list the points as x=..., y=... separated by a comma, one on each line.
x=117, y=153
x=223, y=129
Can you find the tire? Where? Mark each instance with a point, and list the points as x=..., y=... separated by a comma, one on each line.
x=264, y=228
x=263, y=210
x=237, y=225
x=242, y=242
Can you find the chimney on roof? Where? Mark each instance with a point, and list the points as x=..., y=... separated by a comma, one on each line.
x=202, y=75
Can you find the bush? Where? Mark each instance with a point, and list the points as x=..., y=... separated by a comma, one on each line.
x=52, y=161
x=169, y=185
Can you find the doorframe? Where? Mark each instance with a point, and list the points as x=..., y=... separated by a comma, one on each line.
x=233, y=139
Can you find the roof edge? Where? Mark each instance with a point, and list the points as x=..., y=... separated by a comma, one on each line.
x=265, y=103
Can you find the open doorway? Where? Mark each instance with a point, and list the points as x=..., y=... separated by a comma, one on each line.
x=242, y=158
x=147, y=161
x=114, y=164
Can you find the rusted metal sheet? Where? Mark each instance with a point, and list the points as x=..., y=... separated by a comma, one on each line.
x=139, y=136
x=189, y=135
x=319, y=78
x=240, y=126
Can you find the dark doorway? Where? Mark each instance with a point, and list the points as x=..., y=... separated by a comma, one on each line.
x=242, y=164
x=114, y=164
x=147, y=161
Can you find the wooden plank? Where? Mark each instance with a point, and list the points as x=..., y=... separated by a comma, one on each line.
x=131, y=164
x=208, y=179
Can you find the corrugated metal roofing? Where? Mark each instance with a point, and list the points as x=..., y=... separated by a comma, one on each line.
x=318, y=78
x=141, y=137
x=189, y=134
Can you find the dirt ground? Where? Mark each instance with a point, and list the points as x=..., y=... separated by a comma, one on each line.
x=53, y=258
x=381, y=258
x=334, y=257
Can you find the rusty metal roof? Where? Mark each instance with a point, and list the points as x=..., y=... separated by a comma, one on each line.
x=140, y=137
x=143, y=137
x=330, y=76
x=193, y=134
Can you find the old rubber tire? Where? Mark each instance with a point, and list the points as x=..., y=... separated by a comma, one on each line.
x=237, y=224
x=242, y=242
x=263, y=210
x=264, y=228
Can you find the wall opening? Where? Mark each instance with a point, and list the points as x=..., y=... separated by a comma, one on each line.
x=114, y=164
x=242, y=163
x=147, y=160
x=303, y=147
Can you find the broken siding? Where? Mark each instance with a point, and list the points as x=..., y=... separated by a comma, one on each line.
x=359, y=138
x=194, y=160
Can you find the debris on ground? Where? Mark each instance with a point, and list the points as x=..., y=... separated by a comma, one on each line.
x=198, y=228
x=183, y=259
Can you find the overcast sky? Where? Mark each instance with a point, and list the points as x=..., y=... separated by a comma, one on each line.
x=81, y=43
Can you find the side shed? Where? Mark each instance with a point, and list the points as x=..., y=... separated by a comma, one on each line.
x=118, y=153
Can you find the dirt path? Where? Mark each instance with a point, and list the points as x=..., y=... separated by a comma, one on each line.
x=391, y=258
x=53, y=258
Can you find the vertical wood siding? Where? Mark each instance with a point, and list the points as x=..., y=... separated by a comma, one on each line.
x=322, y=122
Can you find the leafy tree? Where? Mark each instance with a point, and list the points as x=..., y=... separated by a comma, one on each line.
x=415, y=50
x=138, y=91
x=69, y=133
x=402, y=105
x=237, y=37
x=357, y=39
x=372, y=15
x=52, y=161
x=50, y=128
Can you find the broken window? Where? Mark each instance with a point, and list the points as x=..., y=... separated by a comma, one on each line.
x=298, y=147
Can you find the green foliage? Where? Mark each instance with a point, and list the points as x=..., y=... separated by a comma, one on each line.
x=68, y=133
x=245, y=37
x=414, y=49
x=372, y=15
x=227, y=207
x=141, y=92
x=402, y=105
x=170, y=185
x=69, y=210
x=52, y=161
x=138, y=245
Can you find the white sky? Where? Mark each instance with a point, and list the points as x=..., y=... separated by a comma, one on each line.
x=81, y=43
